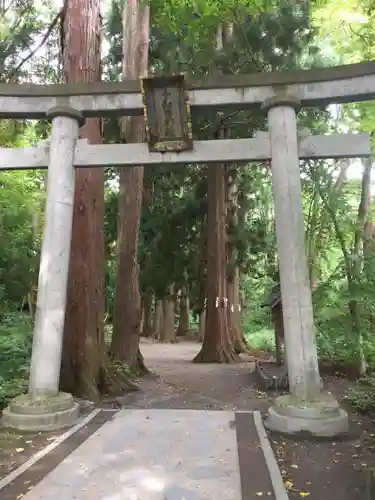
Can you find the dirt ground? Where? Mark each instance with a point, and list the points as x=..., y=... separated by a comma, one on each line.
x=319, y=471
x=16, y=448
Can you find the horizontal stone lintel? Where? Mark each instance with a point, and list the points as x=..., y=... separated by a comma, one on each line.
x=226, y=151
x=349, y=83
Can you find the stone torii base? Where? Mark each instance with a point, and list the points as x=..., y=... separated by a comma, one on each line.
x=47, y=413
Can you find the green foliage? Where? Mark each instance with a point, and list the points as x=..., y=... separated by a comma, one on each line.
x=183, y=39
x=263, y=339
x=23, y=29
x=15, y=352
x=362, y=397
x=19, y=235
x=266, y=36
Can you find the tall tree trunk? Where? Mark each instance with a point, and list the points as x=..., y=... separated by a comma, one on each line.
x=184, y=314
x=127, y=316
x=217, y=344
x=158, y=321
x=168, y=333
x=234, y=313
x=202, y=325
x=202, y=277
x=233, y=272
x=359, y=246
x=84, y=360
x=364, y=231
x=147, y=316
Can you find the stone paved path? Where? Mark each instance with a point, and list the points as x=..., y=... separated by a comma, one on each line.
x=163, y=455
x=191, y=434
x=316, y=470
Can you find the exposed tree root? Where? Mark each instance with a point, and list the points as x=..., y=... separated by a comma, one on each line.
x=115, y=380
x=112, y=379
x=218, y=355
x=141, y=367
x=239, y=342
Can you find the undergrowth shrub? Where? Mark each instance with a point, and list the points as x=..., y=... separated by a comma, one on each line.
x=15, y=353
x=362, y=397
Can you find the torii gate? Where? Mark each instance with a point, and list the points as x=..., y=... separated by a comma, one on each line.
x=306, y=408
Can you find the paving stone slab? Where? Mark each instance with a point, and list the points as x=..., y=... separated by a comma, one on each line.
x=151, y=455
x=158, y=454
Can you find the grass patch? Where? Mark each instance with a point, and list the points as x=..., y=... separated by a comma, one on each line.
x=258, y=330
x=15, y=353
x=263, y=339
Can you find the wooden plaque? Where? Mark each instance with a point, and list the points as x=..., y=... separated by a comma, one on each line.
x=167, y=113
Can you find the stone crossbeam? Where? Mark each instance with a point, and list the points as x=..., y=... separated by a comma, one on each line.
x=349, y=83
x=226, y=151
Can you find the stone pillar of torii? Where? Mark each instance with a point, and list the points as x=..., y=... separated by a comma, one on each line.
x=306, y=408
x=44, y=407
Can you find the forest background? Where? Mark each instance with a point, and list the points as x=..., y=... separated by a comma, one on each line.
x=153, y=247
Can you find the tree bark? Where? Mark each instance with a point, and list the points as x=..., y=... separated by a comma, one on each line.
x=359, y=249
x=84, y=360
x=363, y=208
x=127, y=316
x=233, y=272
x=279, y=359
x=147, y=316
x=234, y=314
x=184, y=315
x=168, y=331
x=202, y=325
x=217, y=344
x=158, y=321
